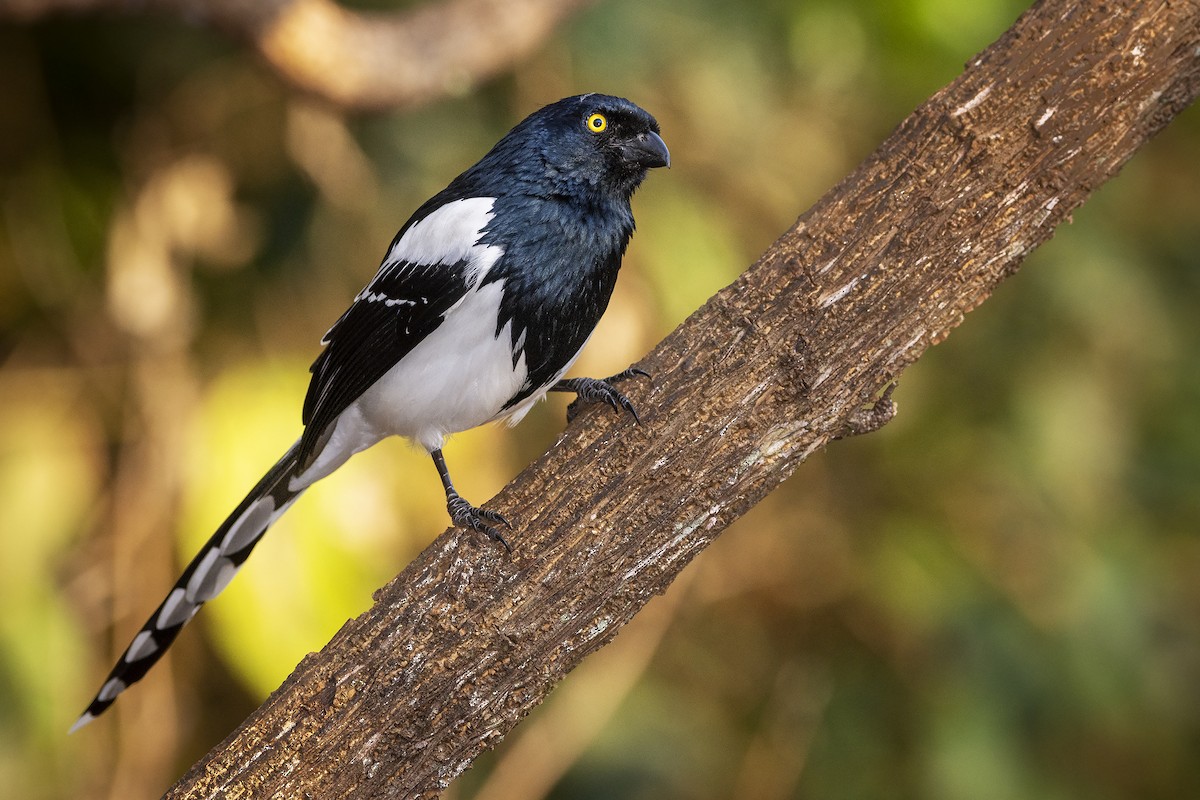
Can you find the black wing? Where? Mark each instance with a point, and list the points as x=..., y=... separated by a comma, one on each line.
x=400, y=307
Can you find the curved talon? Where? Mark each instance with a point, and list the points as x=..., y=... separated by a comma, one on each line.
x=632, y=372
x=601, y=390
x=466, y=515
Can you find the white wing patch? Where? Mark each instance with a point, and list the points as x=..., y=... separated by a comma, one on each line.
x=447, y=236
x=380, y=297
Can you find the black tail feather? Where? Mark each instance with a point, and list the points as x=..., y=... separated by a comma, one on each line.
x=208, y=573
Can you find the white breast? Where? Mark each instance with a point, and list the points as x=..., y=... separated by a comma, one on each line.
x=458, y=377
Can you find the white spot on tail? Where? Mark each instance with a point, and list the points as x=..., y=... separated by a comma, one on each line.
x=212, y=575
x=249, y=525
x=111, y=689
x=142, y=646
x=176, y=610
x=84, y=719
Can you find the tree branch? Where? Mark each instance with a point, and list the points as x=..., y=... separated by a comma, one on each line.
x=467, y=640
x=360, y=60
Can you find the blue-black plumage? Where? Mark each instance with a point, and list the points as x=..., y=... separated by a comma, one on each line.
x=483, y=301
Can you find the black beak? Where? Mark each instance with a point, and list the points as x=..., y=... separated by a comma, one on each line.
x=647, y=150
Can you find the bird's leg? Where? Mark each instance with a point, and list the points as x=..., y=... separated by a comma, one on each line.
x=465, y=514
x=600, y=390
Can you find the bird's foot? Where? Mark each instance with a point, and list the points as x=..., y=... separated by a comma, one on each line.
x=466, y=515
x=601, y=390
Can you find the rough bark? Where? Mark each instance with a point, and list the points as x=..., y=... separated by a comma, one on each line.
x=359, y=60
x=463, y=643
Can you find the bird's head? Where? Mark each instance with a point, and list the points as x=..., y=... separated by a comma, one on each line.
x=588, y=143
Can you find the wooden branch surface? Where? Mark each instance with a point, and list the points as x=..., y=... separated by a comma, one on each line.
x=462, y=644
x=359, y=59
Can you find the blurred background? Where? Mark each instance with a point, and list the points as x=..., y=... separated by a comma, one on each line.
x=996, y=596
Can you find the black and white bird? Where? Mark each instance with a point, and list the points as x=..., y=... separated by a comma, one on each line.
x=483, y=301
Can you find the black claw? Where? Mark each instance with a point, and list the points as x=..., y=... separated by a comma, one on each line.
x=628, y=406
x=601, y=390
x=494, y=516
x=466, y=515
x=632, y=372
x=497, y=536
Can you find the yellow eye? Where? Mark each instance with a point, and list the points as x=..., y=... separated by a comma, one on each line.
x=596, y=123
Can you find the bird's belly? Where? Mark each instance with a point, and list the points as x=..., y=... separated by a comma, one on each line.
x=458, y=377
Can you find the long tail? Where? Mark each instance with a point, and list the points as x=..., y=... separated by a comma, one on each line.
x=210, y=572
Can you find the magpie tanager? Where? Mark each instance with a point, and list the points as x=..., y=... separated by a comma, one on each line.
x=483, y=301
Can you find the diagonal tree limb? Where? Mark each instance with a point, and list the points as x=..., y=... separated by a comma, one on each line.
x=359, y=59
x=463, y=643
